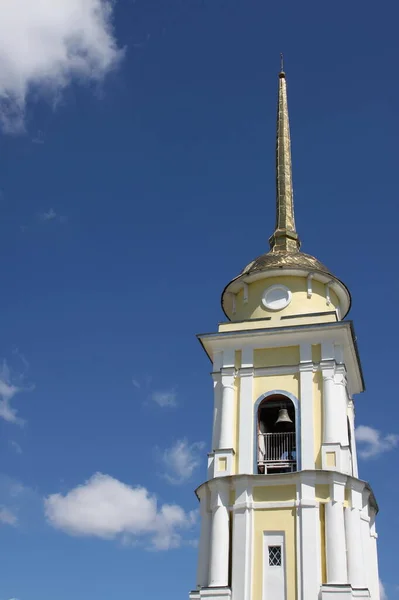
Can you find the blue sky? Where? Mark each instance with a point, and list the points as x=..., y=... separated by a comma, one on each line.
x=135, y=182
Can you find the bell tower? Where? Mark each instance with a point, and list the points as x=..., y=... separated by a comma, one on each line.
x=284, y=514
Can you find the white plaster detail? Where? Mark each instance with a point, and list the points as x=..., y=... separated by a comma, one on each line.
x=246, y=292
x=204, y=542
x=220, y=535
x=306, y=407
x=276, y=297
x=309, y=284
x=337, y=571
x=242, y=543
x=246, y=432
x=328, y=298
x=220, y=459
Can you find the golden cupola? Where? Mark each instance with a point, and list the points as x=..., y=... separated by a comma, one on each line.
x=296, y=282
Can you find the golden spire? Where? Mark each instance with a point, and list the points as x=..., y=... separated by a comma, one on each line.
x=285, y=237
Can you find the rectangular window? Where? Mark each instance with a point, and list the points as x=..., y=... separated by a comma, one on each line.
x=274, y=556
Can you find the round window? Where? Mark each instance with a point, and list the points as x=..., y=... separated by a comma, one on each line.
x=276, y=297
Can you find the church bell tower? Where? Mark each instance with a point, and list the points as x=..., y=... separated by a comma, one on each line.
x=284, y=515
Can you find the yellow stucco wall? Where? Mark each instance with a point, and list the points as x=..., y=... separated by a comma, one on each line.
x=322, y=492
x=318, y=416
x=299, y=304
x=316, y=353
x=288, y=383
x=274, y=493
x=276, y=357
x=279, y=520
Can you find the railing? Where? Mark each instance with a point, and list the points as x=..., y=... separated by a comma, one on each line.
x=277, y=452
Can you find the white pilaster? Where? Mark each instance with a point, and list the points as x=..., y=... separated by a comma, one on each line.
x=246, y=416
x=329, y=416
x=205, y=536
x=337, y=571
x=226, y=439
x=220, y=534
x=308, y=552
x=307, y=454
x=356, y=568
x=374, y=584
x=217, y=394
x=242, y=542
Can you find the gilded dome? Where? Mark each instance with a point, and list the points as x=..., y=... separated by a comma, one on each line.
x=287, y=260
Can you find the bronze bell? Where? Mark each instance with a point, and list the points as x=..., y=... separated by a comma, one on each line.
x=283, y=417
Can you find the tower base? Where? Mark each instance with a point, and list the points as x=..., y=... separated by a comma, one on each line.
x=211, y=593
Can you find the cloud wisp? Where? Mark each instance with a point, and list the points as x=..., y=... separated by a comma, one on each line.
x=165, y=399
x=45, y=45
x=7, y=517
x=372, y=443
x=383, y=594
x=106, y=508
x=8, y=390
x=181, y=460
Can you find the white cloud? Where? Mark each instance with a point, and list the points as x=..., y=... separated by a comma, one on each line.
x=51, y=215
x=16, y=447
x=383, y=594
x=7, y=392
x=165, y=399
x=107, y=508
x=372, y=442
x=181, y=460
x=7, y=517
x=46, y=44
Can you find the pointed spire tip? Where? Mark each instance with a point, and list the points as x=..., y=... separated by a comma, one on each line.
x=282, y=73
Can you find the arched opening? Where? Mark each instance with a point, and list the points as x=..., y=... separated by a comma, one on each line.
x=277, y=448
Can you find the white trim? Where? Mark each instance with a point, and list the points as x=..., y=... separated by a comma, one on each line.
x=246, y=433
x=281, y=302
x=306, y=407
x=309, y=284
x=246, y=292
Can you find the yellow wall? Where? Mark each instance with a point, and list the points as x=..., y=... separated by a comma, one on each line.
x=287, y=383
x=322, y=492
x=274, y=493
x=316, y=353
x=299, y=304
x=318, y=416
x=279, y=520
x=276, y=357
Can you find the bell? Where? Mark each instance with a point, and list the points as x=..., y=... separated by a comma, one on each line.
x=283, y=417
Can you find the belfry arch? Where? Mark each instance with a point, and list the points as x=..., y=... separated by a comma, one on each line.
x=276, y=434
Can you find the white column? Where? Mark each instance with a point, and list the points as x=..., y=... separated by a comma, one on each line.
x=226, y=439
x=246, y=415
x=307, y=454
x=330, y=417
x=217, y=394
x=356, y=573
x=341, y=408
x=374, y=584
x=204, y=542
x=351, y=416
x=242, y=542
x=220, y=534
x=309, y=544
x=337, y=571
